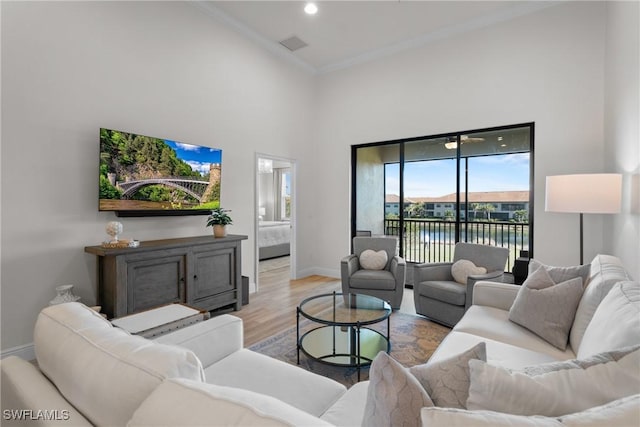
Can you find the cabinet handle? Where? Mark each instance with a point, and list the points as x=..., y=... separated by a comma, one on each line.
x=182, y=279
x=195, y=276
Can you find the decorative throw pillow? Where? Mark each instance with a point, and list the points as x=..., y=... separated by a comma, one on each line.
x=545, y=308
x=606, y=271
x=616, y=322
x=447, y=381
x=372, y=260
x=395, y=396
x=562, y=274
x=621, y=412
x=574, y=386
x=463, y=268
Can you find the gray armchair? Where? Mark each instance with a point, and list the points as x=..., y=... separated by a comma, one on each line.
x=386, y=284
x=439, y=297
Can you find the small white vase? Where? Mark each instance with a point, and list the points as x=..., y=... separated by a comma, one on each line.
x=65, y=294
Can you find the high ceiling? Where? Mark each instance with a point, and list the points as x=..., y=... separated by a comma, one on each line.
x=344, y=33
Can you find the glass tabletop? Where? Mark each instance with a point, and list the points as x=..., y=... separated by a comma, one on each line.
x=345, y=309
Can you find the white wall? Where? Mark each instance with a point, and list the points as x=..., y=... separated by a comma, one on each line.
x=546, y=67
x=163, y=69
x=622, y=129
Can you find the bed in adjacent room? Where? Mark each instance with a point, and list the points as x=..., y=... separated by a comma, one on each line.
x=273, y=239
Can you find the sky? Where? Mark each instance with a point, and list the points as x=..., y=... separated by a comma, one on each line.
x=437, y=177
x=196, y=156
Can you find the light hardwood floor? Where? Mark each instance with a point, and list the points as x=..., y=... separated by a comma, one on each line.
x=273, y=308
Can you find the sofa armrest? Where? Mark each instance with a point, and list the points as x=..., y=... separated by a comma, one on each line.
x=210, y=340
x=472, y=279
x=495, y=294
x=24, y=388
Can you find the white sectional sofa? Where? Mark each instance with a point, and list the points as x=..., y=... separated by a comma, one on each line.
x=90, y=373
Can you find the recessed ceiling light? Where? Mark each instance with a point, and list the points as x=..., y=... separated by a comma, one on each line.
x=311, y=9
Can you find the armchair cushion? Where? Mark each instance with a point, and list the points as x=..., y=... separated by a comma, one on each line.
x=443, y=290
x=373, y=279
x=373, y=260
x=462, y=269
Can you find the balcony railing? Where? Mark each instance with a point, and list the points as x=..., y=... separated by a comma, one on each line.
x=434, y=240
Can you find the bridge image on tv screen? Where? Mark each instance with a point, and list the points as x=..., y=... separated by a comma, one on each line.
x=143, y=173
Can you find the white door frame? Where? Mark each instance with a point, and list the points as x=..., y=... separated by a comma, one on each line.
x=294, y=200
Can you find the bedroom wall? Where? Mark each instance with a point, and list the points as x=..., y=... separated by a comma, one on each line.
x=164, y=69
x=546, y=67
x=622, y=129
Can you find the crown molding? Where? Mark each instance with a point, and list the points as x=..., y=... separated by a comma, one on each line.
x=275, y=48
x=517, y=10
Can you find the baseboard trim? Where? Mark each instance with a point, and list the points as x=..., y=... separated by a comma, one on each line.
x=318, y=271
x=26, y=352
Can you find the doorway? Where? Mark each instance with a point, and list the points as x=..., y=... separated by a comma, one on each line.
x=275, y=218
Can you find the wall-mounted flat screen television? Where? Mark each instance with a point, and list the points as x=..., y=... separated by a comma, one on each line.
x=146, y=176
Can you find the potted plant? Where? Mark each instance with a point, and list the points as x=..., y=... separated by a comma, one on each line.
x=219, y=219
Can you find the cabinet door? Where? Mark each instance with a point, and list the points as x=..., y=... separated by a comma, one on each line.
x=214, y=273
x=155, y=281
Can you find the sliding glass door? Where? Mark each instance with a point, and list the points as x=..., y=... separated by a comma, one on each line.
x=432, y=192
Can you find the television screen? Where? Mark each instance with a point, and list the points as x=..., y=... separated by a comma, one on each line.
x=142, y=175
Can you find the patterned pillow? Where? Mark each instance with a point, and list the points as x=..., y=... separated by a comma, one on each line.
x=372, y=260
x=447, y=381
x=462, y=269
x=545, y=308
x=395, y=396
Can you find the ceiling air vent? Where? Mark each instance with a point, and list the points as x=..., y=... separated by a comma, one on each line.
x=293, y=43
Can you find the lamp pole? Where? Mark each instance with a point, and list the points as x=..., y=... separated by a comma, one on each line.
x=581, y=251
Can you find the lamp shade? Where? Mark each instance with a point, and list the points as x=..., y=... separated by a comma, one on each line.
x=584, y=193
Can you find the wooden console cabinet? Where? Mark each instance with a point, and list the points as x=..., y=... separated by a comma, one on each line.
x=203, y=272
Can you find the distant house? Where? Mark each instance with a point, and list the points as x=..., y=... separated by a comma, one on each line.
x=504, y=203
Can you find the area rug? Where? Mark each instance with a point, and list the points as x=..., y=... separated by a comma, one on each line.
x=413, y=340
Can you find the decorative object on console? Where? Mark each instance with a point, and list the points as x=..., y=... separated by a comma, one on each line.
x=598, y=193
x=64, y=294
x=219, y=219
x=114, y=228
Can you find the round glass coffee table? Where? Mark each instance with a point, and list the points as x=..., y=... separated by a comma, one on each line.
x=343, y=339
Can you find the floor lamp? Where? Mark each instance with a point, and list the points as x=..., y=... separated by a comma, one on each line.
x=598, y=193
